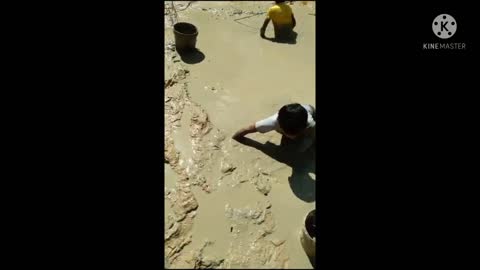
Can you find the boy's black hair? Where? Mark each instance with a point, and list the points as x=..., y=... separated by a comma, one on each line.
x=278, y=2
x=293, y=118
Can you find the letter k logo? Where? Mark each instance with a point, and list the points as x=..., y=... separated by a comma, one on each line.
x=444, y=26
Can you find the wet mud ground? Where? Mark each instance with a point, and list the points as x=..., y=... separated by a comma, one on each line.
x=227, y=204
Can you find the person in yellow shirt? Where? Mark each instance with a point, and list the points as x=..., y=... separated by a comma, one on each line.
x=283, y=20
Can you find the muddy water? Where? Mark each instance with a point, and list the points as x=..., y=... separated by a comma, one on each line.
x=248, y=70
x=250, y=205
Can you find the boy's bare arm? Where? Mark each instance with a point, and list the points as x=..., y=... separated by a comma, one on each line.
x=244, y=131
x=264, y=27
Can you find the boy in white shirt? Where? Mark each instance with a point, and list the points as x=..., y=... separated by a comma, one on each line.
x=296, y=122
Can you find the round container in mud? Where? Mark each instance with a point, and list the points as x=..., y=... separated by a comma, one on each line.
x=309, y=234
x=185, y=36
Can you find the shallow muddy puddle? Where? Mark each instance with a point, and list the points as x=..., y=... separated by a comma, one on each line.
x=212, y=225
x=249, y=72
x=250, y=205
x=289, y=212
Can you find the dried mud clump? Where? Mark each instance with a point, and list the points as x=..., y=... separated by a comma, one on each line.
x=198, y=260
x=204, y=138
x=253, y=249
x=262, y=183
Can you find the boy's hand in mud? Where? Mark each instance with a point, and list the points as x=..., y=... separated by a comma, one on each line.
x=240, y=135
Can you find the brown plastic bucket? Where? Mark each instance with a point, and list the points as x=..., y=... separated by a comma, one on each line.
x=308, y=235
x=185, y=36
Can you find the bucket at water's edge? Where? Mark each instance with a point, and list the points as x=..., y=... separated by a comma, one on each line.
x=185, y=36
x=308, y=234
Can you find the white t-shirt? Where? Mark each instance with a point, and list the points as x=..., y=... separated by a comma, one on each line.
x=271, y=123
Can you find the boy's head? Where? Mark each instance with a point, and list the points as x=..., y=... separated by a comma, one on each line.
x=293, y=119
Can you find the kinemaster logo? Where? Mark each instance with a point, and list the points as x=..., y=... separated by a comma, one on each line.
x=444, y=26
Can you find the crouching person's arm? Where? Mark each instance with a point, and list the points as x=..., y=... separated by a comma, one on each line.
x=244, y=131
x=264, y=27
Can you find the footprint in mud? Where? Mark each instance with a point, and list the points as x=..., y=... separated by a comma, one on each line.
x=213, y=89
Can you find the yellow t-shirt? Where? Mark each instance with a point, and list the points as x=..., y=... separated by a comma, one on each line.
x=280, y=14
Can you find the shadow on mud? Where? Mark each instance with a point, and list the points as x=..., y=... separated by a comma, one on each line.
x=192, y=57
x=301, y=183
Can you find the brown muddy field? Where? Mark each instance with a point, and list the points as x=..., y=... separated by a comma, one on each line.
x=228, y=205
